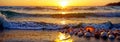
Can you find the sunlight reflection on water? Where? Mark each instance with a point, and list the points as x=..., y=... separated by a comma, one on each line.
x=63, y=38
x=32, y=36
x=63, y=22
x=63, y=13
x=44, y=36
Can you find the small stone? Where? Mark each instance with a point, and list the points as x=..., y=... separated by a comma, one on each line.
x=80, y=34
x=118, y=37
x=111, y=36
x=87, y=34
x=103, y=34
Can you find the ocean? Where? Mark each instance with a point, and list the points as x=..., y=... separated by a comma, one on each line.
x=52, y=17
x=42, y=23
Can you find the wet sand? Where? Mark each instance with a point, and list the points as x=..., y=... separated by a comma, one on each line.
x=43, y=36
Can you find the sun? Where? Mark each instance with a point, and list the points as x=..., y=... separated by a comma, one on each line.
x=63, y=4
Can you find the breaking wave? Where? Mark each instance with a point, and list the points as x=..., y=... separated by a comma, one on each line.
x=10, y=14
x=42, y=25
x=5, y=15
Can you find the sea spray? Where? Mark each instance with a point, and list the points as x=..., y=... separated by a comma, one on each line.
x=3, y=20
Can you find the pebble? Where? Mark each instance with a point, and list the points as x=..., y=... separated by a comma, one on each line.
x=80, y=34
x=87, y=34
x=111, y=36
x=103, y=34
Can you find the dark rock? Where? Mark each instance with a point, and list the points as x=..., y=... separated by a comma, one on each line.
x=1, y=27
x=114, y=4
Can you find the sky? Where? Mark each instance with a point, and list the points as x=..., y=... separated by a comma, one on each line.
x=56, y=2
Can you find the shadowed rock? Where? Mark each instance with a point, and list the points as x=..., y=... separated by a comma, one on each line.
x=114, y=4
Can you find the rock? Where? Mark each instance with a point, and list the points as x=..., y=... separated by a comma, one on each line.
x=80, y=34
x=76, y=30
x=87, y=34
x=118, y=37
x=103, y=34
x=110, y=32
x=111, y=36
x=97, y=35
x=71, y=33
x=114, y=4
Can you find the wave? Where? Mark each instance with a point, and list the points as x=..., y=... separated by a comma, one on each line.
x=42, y=25
x=55, y=8
x=6, y=24
x=31, y=25
x=2, y=19
x=11, y=14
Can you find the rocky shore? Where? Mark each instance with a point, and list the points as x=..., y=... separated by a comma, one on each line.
x=92, y=32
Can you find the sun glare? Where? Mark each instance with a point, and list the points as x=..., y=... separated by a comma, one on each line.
x=63, y=12
x=63, y=4
x=63, y=38
x=63, y=22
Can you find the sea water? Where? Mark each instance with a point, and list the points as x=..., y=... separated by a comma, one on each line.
x=43, y=36
x=50, y=17
x=54, y=17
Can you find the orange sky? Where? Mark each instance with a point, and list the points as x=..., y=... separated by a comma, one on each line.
x=55, y=2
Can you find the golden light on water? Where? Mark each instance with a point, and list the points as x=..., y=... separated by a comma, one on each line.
x=63, y=22
x=63, y=12
x=63, y=38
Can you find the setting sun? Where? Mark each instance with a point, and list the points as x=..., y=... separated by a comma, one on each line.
x=63, y=4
